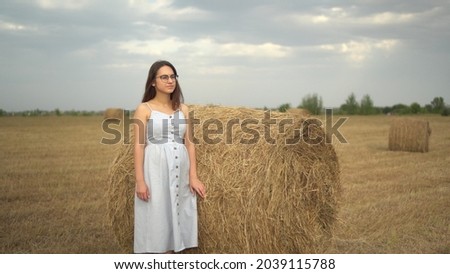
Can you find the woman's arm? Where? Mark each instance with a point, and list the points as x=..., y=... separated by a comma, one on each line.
x=194, y=183
x=140, y=127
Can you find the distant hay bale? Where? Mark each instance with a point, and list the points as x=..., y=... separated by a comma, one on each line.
x=299, y=111
x=263, y=195
x=115, y=113
x=408, y=134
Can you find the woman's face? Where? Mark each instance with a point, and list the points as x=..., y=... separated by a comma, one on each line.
x=165, y=80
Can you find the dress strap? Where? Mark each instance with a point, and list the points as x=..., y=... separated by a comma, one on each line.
x=148, y=106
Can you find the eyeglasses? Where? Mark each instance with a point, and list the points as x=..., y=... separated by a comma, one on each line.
x=165, y=77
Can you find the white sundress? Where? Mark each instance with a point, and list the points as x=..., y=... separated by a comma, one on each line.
x=168, y=221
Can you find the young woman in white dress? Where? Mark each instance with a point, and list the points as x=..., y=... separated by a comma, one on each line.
x=165, y=167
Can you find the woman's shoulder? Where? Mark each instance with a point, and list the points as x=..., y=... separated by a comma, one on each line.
x=185, y=109
x=143, y=109
x=145, y=105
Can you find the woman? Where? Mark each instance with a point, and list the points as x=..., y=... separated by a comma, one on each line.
x=165, y=165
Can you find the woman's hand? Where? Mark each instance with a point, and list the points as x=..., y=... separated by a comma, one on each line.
x=197, y=187
x=142, y=191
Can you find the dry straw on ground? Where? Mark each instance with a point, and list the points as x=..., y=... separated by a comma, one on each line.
x=116, y=113
x=262, y=197
x=408, y=134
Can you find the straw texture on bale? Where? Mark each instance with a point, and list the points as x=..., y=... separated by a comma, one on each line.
x=272, y=185
x=408, y=134
x=115, y=113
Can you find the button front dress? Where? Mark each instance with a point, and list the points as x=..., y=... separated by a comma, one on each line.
x=168, y=221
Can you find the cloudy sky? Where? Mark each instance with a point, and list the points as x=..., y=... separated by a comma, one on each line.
x=94, y=54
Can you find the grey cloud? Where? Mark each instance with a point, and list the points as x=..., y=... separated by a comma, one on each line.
x=77, y=54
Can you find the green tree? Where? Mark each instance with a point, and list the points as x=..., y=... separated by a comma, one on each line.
x=284, y=107
x=446, y=111
x=351, y=106
x=415, y=108
x=386, y=110
x=438, y=104
x=366, y=107
x=312, y=103
x=429, y=108
x=401, y=109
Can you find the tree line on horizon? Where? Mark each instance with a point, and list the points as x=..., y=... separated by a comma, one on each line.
x=314, y=104
x=311, y=102
x=55, y=112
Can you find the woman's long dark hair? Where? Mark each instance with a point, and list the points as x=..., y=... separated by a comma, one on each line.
x=150, y=92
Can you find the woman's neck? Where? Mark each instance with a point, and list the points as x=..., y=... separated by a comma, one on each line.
x=163, y=100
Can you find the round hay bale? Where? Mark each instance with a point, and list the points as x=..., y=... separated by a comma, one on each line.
x=407, y=134
x=120, y=197
x=272, y=183
x=113, y=113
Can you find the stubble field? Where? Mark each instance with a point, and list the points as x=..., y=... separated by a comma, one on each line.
x=53, y=188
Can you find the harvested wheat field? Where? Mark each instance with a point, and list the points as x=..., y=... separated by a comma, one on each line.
x=53, y=191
